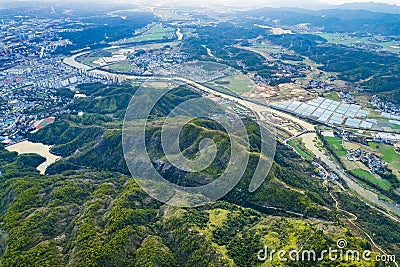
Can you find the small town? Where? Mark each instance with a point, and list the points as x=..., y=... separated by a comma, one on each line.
x=375, y=164
x=391, y=110
x=35, y=90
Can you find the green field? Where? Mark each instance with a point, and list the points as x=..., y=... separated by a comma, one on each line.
x=387, y=153
x=333, y=96
x=88, y=59
x=367, y=176
x=298, y=145
x=347, y=40
x=157, y=32
x=336, y=144
x=238, y=84
x=121, y=67
x=395, y=127
x=45, y=123
x=267, y=49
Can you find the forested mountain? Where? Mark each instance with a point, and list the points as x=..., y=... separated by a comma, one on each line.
x=88, y=212
x=95, y=142
x=371, y=6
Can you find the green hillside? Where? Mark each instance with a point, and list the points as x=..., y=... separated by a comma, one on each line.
x=87, y=211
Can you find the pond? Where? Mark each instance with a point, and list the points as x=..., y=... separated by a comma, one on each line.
x=26, y=147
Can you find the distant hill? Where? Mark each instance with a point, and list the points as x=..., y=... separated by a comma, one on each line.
x=332, y=20
x=371, y=6
x=317, y=5
x=311, y=5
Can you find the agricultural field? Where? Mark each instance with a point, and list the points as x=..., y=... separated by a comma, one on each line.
x=124, y=66
x=358, y=169
x=157, y=32
x=367, y=176
x=238, y=84
x=268, y=51
x=336, y=144
x=386, y=152
x=267, y=48
x=333, y=96
x=344, y=39
x=89, y=59
x=389, y=155
x=291, y=92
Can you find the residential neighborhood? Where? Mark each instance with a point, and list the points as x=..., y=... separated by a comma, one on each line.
x=375, y=164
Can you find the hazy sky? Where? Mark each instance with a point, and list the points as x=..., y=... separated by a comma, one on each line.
x=270, y=2
x=394, y=2
x=267, y=2
x=248, y=2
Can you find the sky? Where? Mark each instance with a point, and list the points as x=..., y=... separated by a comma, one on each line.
x=267, y=2
x=284, y=2
x=275, y=2
x=335, y=2
x=331, y=2
x=248, y=2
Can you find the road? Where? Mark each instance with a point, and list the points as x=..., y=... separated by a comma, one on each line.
x=352, y=220
x=298, y=135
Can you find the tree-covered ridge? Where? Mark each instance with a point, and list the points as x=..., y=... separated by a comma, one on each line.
x=88, y=212
x=6, y=157
x=12, y=164
x=331, y=20
x=91, y=218
x=94, y=141
x=98, y=30
x=375, y=71
x=104, y=219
